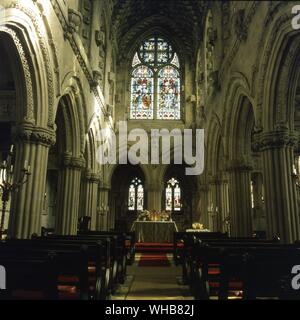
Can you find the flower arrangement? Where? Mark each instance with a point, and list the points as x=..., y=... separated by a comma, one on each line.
x=197, y=226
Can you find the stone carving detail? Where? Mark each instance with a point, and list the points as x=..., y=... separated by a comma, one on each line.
x=91, y=177
x=200, y=117
x=242, y=164
x=98, y=78
x=28, y=84
x=100, y=39
x=276, y=139
x=37, y=24
x=77, y=163
x=75, y=20
x=37, y=135
x=86, y=10
x=78, y=53
x=240, y=25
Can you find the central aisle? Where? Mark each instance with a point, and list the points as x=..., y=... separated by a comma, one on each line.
x=154, y=282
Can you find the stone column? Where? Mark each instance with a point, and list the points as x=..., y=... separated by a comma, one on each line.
x=219, y=187
x=203, y=205
x=32, y=145
x=280, y=190
x=68, y=195
x=105, y=214
x=259, y=223
x=154, y=196
x=240, y=198
x=89, y=197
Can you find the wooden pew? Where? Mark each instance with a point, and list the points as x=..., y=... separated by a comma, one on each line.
x=226, y=261
x=95, y=251
x=130, y=241
x=36, y=273
x=180, y=237
x=117, y=254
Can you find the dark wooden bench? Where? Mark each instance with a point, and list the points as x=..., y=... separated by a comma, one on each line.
x=96, y=252
x=44, y=274
x=228, y=264
x=130, y=241
x=181, y=237
x=116, y=253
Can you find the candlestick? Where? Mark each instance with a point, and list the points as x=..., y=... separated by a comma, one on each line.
x=8, y=186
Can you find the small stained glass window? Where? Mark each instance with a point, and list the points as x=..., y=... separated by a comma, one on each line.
x=173, y=195
x=136, y=195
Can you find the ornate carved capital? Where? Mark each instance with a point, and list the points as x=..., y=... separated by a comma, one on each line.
x=276, y=139
x=71, y=162
x=75, y=19
x=37, y=135
x=240, y=165
x=91, y=177
x=240, y=25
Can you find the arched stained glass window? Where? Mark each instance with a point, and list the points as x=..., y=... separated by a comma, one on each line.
x=173, y=195
x=141, y=93
x=155, y=81
x=168, y=94
x=136, y=195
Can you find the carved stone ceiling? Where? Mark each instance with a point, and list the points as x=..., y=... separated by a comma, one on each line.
x=180, y=18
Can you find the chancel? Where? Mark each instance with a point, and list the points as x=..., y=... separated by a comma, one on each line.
x=149, y=150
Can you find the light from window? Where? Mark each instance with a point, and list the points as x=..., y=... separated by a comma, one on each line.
x=173, y=195
x=142, y=93
x=136, y=195
x=155, y=81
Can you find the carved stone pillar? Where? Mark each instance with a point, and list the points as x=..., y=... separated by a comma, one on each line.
x=203, y=204
x=219, y=194
x=68, y=195
x=32, y=145
x=105, y=214
x=240, y=199
x=259, y=219
x=154, y=196
x=280, y=189
x=89, y=197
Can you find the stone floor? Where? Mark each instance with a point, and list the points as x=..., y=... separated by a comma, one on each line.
x=153, y=283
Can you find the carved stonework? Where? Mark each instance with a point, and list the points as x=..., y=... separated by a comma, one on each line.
x=75, y=20
x=242, y=164
x=91, y=177
x=77, y=163
x=37, y=135
x=27, y=74
x=98, y=78
x=240, y=25
x=200, y=117
x=36, y=20
x=278, y=139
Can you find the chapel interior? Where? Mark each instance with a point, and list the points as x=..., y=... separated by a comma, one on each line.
x=72, y=70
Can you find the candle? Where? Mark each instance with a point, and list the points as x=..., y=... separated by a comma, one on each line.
x=12, y=148
x=26, y=165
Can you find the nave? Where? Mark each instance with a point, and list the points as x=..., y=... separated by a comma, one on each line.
x=112, y=266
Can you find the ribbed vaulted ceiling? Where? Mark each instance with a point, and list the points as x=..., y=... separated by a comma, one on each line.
x=180, y=18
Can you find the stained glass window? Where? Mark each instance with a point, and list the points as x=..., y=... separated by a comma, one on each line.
x=155, y=81
x=169, y=94
x=173, y=195
x=136, y=195
x=141, y=93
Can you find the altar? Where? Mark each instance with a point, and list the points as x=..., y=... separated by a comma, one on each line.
x=154, y=231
